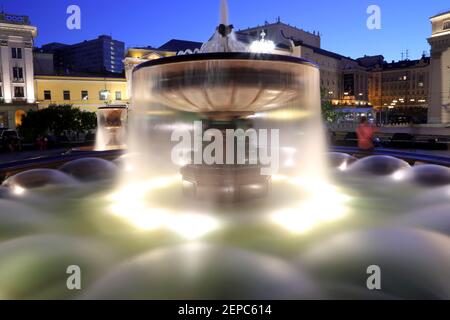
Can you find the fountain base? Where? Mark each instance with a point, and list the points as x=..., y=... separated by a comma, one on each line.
x=224, y=183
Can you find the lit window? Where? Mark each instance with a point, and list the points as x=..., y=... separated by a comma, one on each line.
x=104, y=95
x=84, y=95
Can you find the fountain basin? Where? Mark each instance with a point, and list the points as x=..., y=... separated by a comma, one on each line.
x=227, y=85
x=224, y=183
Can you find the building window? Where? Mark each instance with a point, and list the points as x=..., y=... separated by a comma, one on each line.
x=66, y=94
x=84, y=95
x=447, y=25
x=104, y=95
x=118, y=95
x=19, y=92
x=16, y=53
x=47, y=95
x=17, y=74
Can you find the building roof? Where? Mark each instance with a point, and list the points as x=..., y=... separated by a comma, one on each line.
x=176, y=45
x=279, y=22
x=324, y=52
x=86, y=74
x=14, y=19
x=406, y=64
x=371, y=61
x=440, y=14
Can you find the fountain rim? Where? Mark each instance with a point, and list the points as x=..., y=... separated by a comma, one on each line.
x=225, y=56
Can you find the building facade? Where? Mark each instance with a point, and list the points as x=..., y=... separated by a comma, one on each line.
x=138, y=55
x=85, y=92
x=103, y=54
x=399, y=90
x=439, y=95
x=17, y=94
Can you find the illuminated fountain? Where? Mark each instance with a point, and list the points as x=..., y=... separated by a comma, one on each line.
x=225, y=192
x=111, y=128
x=227, y=102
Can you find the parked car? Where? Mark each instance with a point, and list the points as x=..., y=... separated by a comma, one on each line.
x=10, y=140
x=402, y=140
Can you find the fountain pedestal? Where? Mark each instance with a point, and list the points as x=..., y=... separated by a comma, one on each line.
x=224, y=183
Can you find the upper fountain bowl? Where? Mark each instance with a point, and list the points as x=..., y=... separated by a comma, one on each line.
x=224, y=85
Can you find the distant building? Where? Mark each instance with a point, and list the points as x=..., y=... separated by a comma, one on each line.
x=99, y=55
x=85, y=91
x=137, y=55
x=181, y=46
x=17, y=94
x=439, y=111
x=43, y=63
x=401, y=87
x=279, y=33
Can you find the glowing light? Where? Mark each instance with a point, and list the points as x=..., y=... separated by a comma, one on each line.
x=399, y=175
x=324, y=205
x=192, y=226
x=278, y=178
x=343, y=166
x=263, y=45
x=18, y=190
x=129, y=204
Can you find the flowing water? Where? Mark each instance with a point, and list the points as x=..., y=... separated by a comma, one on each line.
x=135, y=233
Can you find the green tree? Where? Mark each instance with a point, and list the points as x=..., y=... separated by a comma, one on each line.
x=329, y=113
x=56, y=119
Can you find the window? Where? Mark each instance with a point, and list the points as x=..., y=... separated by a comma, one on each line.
x=118, y=95
x=447, y=25
x=47, y=95
x=104, y=95
x=19, y=92
x=16, y=53
x=18, y=74
x=66, y=95
x=84, y=95
x=1, y=93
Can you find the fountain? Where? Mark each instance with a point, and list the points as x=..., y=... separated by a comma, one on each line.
x=237, y=103
x=226, y=191
x=111, y=128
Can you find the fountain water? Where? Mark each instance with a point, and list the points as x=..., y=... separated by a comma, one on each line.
x=111, y=128
x=224, y=39
x=184, y=222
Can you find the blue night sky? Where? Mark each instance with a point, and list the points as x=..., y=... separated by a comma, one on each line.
x=405, y=23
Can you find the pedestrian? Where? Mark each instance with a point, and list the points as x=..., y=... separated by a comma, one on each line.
x=365, y=133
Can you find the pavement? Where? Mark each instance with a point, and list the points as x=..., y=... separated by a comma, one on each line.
x=6, y=157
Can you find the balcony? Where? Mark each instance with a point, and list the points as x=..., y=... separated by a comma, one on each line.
x=18, y=80
x=14, y=19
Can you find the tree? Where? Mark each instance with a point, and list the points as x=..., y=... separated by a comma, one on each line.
x=56, y=119
x=329, y=113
